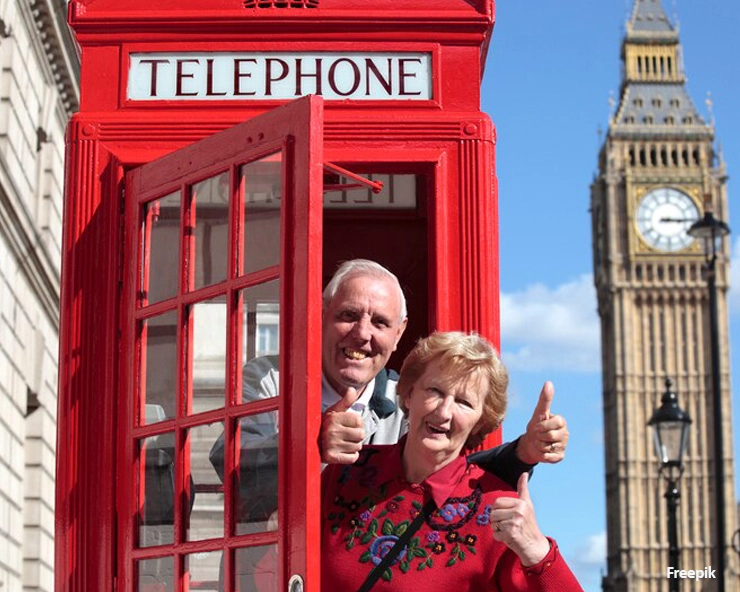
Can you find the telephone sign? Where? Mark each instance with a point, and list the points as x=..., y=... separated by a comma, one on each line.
x=227, y=76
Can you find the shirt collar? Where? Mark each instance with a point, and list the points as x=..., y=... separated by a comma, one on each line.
x=440, y=485
x=330, y=397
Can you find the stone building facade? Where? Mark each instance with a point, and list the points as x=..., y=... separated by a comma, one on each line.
x=39, y=90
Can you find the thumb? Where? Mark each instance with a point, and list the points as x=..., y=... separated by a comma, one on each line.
x=542, y=410
x=350, y=396
x=522, y=487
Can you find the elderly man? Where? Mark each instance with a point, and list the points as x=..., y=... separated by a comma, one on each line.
x=364, y=317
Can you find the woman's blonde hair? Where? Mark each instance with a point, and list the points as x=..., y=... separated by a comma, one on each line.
x=460, y=355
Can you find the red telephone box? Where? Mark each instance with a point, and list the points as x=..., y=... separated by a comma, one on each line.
x=226, y=156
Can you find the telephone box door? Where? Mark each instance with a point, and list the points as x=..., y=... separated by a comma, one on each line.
x=220, y=470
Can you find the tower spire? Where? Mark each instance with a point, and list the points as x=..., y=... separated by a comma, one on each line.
x=653, y=90
x=649, y=18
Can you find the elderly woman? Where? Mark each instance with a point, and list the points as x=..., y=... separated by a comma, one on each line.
x=416, y=515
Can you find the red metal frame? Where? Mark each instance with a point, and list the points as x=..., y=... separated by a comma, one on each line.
x=447, y=138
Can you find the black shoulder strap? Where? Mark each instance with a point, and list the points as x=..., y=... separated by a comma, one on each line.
x=400, y=545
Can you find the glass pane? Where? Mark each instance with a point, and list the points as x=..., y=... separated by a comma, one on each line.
x=160, y=368
x=399, y=192
x=157, y=575
x=211, y=200
x=255, y=568
x=261, y=322
x=204, y=571
x=157, y=490
x=206, y=516
x=208, y=341
x=256, y=481
x=261, y=189
x=160, y=252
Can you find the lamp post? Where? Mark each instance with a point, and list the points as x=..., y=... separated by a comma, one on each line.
x=671, y=429
x=711, y=230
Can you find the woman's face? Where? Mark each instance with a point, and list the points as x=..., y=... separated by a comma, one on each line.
x=443, y=410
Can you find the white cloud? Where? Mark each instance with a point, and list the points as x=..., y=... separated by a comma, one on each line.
x=593, y=551
x=552, y=329
x=734, y=295
x=588, y=561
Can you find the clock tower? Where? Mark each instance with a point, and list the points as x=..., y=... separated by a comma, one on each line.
x=658, y=172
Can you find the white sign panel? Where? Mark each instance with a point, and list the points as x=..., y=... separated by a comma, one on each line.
x=242, y=76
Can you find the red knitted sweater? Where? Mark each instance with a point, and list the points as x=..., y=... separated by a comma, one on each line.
x=368, y=505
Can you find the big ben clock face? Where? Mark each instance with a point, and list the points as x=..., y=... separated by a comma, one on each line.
x=664, y=217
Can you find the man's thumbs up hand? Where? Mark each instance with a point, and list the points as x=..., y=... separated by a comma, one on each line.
x=342, y=431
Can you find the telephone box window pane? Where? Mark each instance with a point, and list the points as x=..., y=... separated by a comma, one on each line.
x=204, y=571
x=398, y=193
x=160, y=370
x=255, y=568
x=208, y=341
x=156, y=575
x=160, y=252
x=157, y=490
x=256, y=480
x=211, y=204
x=261, y=189
x=261, y=326
x=206, y=516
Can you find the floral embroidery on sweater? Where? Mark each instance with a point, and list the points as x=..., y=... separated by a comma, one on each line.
x=377, y=525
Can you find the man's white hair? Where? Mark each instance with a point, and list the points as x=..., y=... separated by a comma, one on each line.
x=362, y=267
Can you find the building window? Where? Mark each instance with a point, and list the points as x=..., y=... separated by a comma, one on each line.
x=268, y=329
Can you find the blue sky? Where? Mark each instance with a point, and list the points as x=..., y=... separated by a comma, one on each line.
x=550, y=71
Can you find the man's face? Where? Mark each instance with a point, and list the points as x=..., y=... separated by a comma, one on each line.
x=361, y=328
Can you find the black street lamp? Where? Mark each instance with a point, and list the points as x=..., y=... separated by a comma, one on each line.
x=671, y=430
x=712, y=230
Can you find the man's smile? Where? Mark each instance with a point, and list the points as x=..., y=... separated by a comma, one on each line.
x=354, y=354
